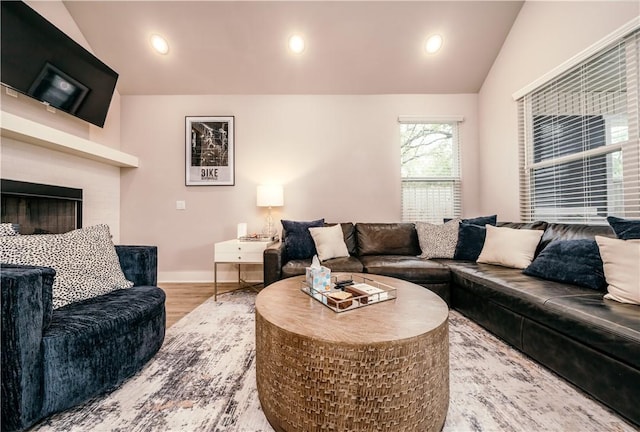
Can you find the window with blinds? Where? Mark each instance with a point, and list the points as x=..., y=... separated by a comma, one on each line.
x=430, y=170
x=579, y=144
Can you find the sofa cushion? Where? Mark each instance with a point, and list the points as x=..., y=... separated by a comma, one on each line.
x=438, y=241
x=560, y=231
x=408, y=268
x=387, y=239
x=345, y=264
x=298, y=242
x=625, y=229
x=607, y=326
x=509, y=247
x=329, y=242
x=349, y=235
x=509, y=287
x=578, y=312
x=93, y=345
x=621, y=260
x=85, y=261
x=576, y=262
x=536, y=225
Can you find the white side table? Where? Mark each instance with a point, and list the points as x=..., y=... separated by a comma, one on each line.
x=237, y=252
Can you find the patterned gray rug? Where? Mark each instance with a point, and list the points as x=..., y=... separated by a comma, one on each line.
x=203, y=379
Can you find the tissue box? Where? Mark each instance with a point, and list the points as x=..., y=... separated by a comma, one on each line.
x=319, y=278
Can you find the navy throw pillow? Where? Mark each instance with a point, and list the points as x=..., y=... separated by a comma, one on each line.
x=298, y=242
x=625, y=229
x=470, y=241
x=576, y=262
x=480, y=220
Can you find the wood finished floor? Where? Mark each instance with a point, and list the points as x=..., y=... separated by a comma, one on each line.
x=182, y=298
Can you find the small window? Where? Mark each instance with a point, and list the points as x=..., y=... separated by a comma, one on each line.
x=430, y=170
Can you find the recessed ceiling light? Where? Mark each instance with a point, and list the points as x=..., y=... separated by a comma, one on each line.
x=434, y=43
x=296, y=44
x=159, y=44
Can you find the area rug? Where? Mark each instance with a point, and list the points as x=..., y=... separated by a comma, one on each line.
x=203, y=379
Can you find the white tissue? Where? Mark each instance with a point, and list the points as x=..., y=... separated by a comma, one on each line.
x=315, y=262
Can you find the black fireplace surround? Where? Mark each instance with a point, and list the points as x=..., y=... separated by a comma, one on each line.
x=39, y=208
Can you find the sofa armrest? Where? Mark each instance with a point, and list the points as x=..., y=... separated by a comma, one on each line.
x=139, y=264
x=274, y=258
x=26, y=299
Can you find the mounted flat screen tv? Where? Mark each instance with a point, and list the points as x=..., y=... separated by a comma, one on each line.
x=42, y=62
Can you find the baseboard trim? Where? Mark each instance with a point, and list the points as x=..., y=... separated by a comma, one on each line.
x=224, y=276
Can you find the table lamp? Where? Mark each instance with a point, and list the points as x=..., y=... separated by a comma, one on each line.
x=270, y=196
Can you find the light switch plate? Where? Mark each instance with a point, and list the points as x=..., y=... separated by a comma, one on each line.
x=181, y=205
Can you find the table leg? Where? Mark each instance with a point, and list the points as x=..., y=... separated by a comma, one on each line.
x=215, y=281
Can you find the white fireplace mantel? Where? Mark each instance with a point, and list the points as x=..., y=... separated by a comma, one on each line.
x=15, y=127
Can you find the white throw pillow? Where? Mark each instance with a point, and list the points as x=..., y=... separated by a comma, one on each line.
x=329, y=242
x=621, y=259
x=85, y=261
x=509, y=247
x=438, y=241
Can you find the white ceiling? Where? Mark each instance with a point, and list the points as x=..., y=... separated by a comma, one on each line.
x=240, y=47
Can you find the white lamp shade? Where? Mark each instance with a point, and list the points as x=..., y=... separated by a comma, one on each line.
x=270, y=196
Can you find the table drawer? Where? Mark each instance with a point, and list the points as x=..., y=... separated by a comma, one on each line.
x=234, y=247
x=239, y=256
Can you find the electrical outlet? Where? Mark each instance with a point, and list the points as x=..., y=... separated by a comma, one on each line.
x=181, y=205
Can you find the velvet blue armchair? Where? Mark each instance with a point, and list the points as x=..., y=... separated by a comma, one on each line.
x=55, y=359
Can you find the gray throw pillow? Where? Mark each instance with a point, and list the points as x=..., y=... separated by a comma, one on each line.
x=438, y=241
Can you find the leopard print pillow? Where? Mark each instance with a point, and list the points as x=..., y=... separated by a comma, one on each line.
x=438, y=241
x=85, y=261
x=7, y=229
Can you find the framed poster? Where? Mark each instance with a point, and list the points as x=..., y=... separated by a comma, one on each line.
x=210, y=149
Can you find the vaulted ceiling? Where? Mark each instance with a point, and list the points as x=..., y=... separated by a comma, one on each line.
x=240, y=47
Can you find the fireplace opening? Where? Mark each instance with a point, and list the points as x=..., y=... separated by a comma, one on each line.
x=39, y=208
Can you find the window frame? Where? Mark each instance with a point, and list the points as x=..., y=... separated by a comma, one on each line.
x=408, y=215
x=628, y=46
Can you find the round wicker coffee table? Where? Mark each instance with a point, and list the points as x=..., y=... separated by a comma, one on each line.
x=384, y=367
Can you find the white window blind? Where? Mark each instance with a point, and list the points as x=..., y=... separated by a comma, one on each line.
x=579, y=144
x=430, y=169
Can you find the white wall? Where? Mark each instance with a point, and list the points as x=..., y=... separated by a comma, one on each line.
x=26, y=162
x=544, y=35
x=100, y=183
x=337, y=157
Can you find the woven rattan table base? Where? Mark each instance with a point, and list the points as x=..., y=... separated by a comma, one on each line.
x=309, y=384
